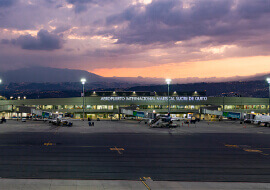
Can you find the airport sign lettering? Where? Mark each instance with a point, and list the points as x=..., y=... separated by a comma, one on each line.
x=149, y=98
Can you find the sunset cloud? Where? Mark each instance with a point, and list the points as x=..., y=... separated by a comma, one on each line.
x=117, y=36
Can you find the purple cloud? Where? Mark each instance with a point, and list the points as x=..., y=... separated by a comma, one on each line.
x=150, y=33
x=7, y=3
x=81, y=5
x=43, y=41
x=170, y=21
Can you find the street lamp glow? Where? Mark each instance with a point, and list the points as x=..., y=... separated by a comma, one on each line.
x=268, y=80
x=83, y=80
x=168, y=81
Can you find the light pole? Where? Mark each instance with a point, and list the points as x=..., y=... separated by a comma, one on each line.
x=168, y=82
x=83, y=80
x=0, y=82
x=268, y=80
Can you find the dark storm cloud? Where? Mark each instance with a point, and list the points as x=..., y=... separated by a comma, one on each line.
x=7, y=3
x=43, y=41
x=169, y=21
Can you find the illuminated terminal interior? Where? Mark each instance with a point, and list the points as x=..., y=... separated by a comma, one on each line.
x=107, y=104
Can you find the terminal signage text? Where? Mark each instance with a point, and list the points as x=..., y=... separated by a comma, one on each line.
x=151, y=98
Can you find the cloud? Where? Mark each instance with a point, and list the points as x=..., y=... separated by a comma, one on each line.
x=7, y=3
x=80, y=8
x=5, y=41
x=251, y=9
x=74, y=2
x=43, y=41
x=81, y=5
x=115, y=52
x=61, y=29
x=167, y=21
x=131, y=33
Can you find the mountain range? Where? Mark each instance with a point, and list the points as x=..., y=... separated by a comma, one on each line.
x=45, y=82
x=57, y=75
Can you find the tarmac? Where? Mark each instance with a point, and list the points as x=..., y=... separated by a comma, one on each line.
x=131, y=155
x=134, y=126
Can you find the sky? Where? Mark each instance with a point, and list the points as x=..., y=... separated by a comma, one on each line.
x=131, y=38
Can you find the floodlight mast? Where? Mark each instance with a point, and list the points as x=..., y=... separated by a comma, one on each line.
x=0, y=81
x=268, y=80
x=168, y=81
x=83, y=80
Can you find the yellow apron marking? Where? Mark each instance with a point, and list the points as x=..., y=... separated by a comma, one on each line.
x=145, y=184
x=49, y=144
x=117, y=149
x=252, y=150
x=146, y=178
x=248, y=149
x=231, y=146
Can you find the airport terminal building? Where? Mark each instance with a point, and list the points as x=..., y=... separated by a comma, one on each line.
x=105, y=105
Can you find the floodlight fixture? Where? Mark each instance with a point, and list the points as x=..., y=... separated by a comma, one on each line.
x=168, y=81
x=83, y=80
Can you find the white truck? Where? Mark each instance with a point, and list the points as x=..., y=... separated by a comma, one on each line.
x=262, y=120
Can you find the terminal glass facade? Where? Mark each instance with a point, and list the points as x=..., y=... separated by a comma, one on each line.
x=105, y=105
